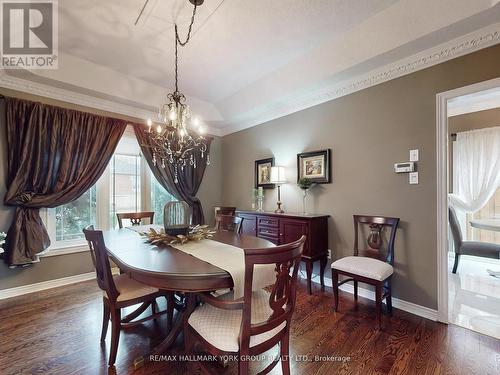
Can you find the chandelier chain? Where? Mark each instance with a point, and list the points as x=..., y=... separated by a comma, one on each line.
x=178, y=41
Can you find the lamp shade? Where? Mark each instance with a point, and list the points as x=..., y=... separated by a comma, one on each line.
x=278, y=175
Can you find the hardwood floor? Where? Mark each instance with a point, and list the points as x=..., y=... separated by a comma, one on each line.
x=57, y=332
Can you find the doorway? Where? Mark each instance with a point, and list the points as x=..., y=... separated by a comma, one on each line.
x=468, y=123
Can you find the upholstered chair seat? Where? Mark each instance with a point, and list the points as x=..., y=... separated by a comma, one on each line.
x=130, y=289
x=369, y=264
x=221, y=328
x=363, y=266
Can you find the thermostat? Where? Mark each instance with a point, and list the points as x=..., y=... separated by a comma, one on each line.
x=405, y=167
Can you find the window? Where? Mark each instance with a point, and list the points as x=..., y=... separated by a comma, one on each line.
x=159, y=197
x=72, y=217
x=127, y=185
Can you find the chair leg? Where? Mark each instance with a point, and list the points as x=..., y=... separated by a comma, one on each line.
x=378, y=304
x=115, y=334
x=170, y=309
x=105, y=319
x=284, y=353
x=355, y=290
x=335, y=285
x=153, y=307
x=388, y=298
x=455, y=265
x=243, y=367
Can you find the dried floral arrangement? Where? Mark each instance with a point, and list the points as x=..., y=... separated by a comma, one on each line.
x=196, y=233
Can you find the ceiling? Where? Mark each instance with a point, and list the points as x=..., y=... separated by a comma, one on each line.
x=248, y=61
x=478, y=101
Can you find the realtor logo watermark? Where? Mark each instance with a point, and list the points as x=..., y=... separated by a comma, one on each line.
x=29, y=34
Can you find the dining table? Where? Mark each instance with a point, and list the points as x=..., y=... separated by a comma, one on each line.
x=170, y=269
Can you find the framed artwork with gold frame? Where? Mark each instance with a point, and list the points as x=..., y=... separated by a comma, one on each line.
x=315, y=166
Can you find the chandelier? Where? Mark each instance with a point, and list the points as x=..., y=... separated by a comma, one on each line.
x=171, y=140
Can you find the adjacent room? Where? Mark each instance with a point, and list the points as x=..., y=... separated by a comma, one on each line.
x=474, y=211
x=250, y=187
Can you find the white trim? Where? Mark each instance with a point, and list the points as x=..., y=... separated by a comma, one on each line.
x=442, y=186
x=400, y=304
x=44, y=285
x=52, y=252
x=465, y=44
x=69, y=96
x=474, y=41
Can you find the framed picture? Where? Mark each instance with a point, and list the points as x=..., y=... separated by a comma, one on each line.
x=314, y=165
x=263, y=173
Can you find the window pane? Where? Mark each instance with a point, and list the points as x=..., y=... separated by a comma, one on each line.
x=71, y=218
x=159, y=197
x=125, y=187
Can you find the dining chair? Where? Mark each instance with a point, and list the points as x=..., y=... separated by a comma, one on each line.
x=228, y=223
x=224, y=211
x=256, y=322
x=369, y=265
x=135, y=217
x=121, y=291
x=474, y=248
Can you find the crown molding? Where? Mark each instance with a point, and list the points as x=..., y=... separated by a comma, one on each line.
x=479, y=39
x=69, y=96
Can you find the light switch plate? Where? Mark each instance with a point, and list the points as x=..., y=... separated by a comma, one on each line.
x=414, y=155
x=413, y=178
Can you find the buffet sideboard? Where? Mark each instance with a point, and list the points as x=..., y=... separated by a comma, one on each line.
x=285, y=228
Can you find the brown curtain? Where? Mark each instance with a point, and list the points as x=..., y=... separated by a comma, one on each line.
x=54, y=155
x=189, y=178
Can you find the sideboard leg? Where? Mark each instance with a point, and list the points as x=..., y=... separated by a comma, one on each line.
x=323, y=261
x=309, y=269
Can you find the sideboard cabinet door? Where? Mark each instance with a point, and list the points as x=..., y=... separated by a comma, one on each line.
x=291, y=230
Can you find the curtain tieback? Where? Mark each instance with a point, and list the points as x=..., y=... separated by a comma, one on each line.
x=25, y=197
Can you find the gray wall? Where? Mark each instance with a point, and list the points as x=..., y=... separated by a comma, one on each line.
x=55, y=267
x=368, y=132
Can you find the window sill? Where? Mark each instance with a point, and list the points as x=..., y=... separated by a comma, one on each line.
x=64, y=250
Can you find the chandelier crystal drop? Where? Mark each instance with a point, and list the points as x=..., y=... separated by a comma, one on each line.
x=172, y=142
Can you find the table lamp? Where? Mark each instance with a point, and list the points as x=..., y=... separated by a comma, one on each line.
x=278, y=178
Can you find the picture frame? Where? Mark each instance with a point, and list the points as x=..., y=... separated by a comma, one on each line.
x=315, y=165
x=263, y=173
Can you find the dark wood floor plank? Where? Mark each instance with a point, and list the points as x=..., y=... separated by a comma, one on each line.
x=57, y=332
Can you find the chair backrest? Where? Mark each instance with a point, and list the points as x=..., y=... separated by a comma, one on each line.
x=228, y=223
x=456, y=231
x=176, y=214
x=282, y=299
x=135, y=217
x=100, y=259
x=224, y=211
x=376, y=225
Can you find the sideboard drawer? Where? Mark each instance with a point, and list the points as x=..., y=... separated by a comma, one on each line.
x=268, y=221
x=268, y=232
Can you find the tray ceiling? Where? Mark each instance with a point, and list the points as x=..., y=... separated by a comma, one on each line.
x=248, y=61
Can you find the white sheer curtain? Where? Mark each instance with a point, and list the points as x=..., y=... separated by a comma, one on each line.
x=476, y=168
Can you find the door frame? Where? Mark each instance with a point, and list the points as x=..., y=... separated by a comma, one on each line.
x=442, y=185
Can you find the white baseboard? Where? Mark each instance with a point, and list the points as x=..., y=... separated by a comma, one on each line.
x=410, y=307
x=44, y=285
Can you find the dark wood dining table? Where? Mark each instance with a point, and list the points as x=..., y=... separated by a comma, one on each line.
x=171, y=269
